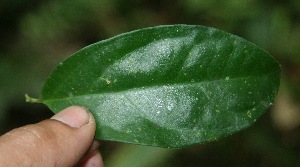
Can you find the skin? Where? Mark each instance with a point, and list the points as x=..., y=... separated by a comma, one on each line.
x=66, y=139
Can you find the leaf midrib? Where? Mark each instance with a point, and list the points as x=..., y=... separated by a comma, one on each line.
x=168, y=85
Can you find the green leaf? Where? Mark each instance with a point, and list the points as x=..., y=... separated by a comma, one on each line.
x=167, y=86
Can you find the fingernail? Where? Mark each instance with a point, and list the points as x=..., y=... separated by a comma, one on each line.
x=73, y=116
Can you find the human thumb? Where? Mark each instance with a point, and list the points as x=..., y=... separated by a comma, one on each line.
x=60, y=141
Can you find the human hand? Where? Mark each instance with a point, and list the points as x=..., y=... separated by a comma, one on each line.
x=64, y=140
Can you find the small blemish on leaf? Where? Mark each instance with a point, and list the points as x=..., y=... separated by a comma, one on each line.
x=106, y=80
x=249, y=114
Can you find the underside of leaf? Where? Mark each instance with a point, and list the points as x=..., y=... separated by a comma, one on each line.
x=167, y=86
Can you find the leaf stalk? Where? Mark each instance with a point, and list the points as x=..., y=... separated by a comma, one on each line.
x=31, y=100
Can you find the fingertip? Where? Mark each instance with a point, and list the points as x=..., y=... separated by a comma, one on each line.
x=93, y=160
x=94, y=146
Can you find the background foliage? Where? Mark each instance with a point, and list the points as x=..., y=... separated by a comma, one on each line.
x=36, y=35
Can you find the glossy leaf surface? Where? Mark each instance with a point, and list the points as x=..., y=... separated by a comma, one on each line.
x=167, y=86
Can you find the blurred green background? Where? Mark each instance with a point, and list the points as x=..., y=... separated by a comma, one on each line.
x=36, y=34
